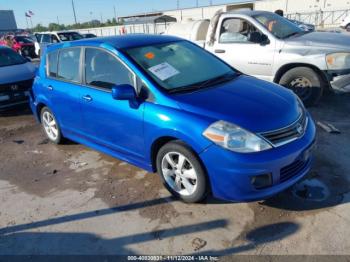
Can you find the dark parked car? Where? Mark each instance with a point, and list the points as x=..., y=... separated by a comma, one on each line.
x=89, y=35
x=16, y=78
x=27, y=46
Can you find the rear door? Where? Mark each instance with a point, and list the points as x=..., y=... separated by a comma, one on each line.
x=63, y=87
x=112, y=123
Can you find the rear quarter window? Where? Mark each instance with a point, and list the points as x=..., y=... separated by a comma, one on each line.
x=51, y=64
x=69, y=64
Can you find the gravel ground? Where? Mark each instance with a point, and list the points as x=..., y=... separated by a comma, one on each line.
x=68, y=199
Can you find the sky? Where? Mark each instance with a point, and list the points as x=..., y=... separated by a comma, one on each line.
x=53, y=11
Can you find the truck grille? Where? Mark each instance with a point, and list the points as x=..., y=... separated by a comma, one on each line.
x=288, y=134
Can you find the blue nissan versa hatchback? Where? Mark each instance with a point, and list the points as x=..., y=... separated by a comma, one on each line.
x=166, y=105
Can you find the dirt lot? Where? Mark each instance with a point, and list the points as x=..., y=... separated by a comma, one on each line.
x=69, y=199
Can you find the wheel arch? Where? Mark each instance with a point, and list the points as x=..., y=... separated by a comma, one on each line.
x=161, y=141
x=39, y=107
x=285, y=68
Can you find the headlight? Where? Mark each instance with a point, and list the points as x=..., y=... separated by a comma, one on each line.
x=235, y=138
x=338, y=61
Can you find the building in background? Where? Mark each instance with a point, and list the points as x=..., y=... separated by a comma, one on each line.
x=322, y=13
x=7, y=21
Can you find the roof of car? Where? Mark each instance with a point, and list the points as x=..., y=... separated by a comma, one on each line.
x=124, y=41
x=248, y=12
x=55, y=32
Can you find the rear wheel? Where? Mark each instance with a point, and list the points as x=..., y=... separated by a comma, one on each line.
x=50, y=126
x=181, y=172
x=304, y=82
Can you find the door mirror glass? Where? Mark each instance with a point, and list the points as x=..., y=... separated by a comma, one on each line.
x=124, y=92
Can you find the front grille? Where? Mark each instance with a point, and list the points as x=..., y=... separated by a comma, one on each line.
x=287, y=134
x=17, y=86
x=293, y=169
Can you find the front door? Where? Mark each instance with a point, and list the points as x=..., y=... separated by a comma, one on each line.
x=234, y=46
x=108, y=122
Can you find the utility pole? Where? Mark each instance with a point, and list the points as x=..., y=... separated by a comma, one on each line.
x=178, y=4
x=197, y=3
x=115, y=14
x=286, y=11
x=58, y=21
x=101, y=18
x=75, y=16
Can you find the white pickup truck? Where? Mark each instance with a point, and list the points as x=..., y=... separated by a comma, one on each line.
x=270, y=47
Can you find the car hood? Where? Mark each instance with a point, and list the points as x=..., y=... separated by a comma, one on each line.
x=253, y=104
x=15, y=73
x=322, y=39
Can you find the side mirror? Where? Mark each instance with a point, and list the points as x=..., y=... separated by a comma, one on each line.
x=259, y=38
x=124, y=92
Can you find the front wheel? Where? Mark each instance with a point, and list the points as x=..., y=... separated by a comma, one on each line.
x=181, y=172
x=347, y=27
x=50, y=126
x=305, y=83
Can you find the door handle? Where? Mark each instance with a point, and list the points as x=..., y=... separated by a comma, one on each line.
x=87, y=98
x=50, y=88
x=219, y=51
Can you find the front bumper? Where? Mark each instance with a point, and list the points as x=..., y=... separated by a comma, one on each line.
x=230, y=173
x=339, y=79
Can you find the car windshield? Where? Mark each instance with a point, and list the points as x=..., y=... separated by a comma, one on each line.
x=181, y=66
x=70, y=36
x=279, y=26
x=9, y=57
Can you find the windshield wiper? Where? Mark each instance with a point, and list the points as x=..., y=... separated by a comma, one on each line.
x=213, y=81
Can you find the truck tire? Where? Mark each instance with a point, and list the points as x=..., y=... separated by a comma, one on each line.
x=305, y=83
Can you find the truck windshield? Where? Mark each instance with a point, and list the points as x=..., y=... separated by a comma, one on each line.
x=9, y=57
x=279, y=26
x=181, y=66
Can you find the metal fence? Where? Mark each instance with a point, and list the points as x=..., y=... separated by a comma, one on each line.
x=323, y=19
x=157, y=28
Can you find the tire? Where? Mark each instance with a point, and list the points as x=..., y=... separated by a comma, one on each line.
x=304, y=82
x=347, y=27
x=49, y=122
x=191, y=172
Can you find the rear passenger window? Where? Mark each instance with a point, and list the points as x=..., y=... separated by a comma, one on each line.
x=52, y=64
x=104, y=70
x=68, y=64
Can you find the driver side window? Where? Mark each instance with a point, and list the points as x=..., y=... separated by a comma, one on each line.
x=236, y=30
x=103, y=70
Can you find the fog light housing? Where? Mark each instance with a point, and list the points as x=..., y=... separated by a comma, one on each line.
x=261, y=181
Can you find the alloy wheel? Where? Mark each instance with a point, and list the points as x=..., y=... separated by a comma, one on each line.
x=179, y=173
x=50, y=125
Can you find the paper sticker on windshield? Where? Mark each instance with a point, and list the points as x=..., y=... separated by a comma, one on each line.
x=163, y=71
